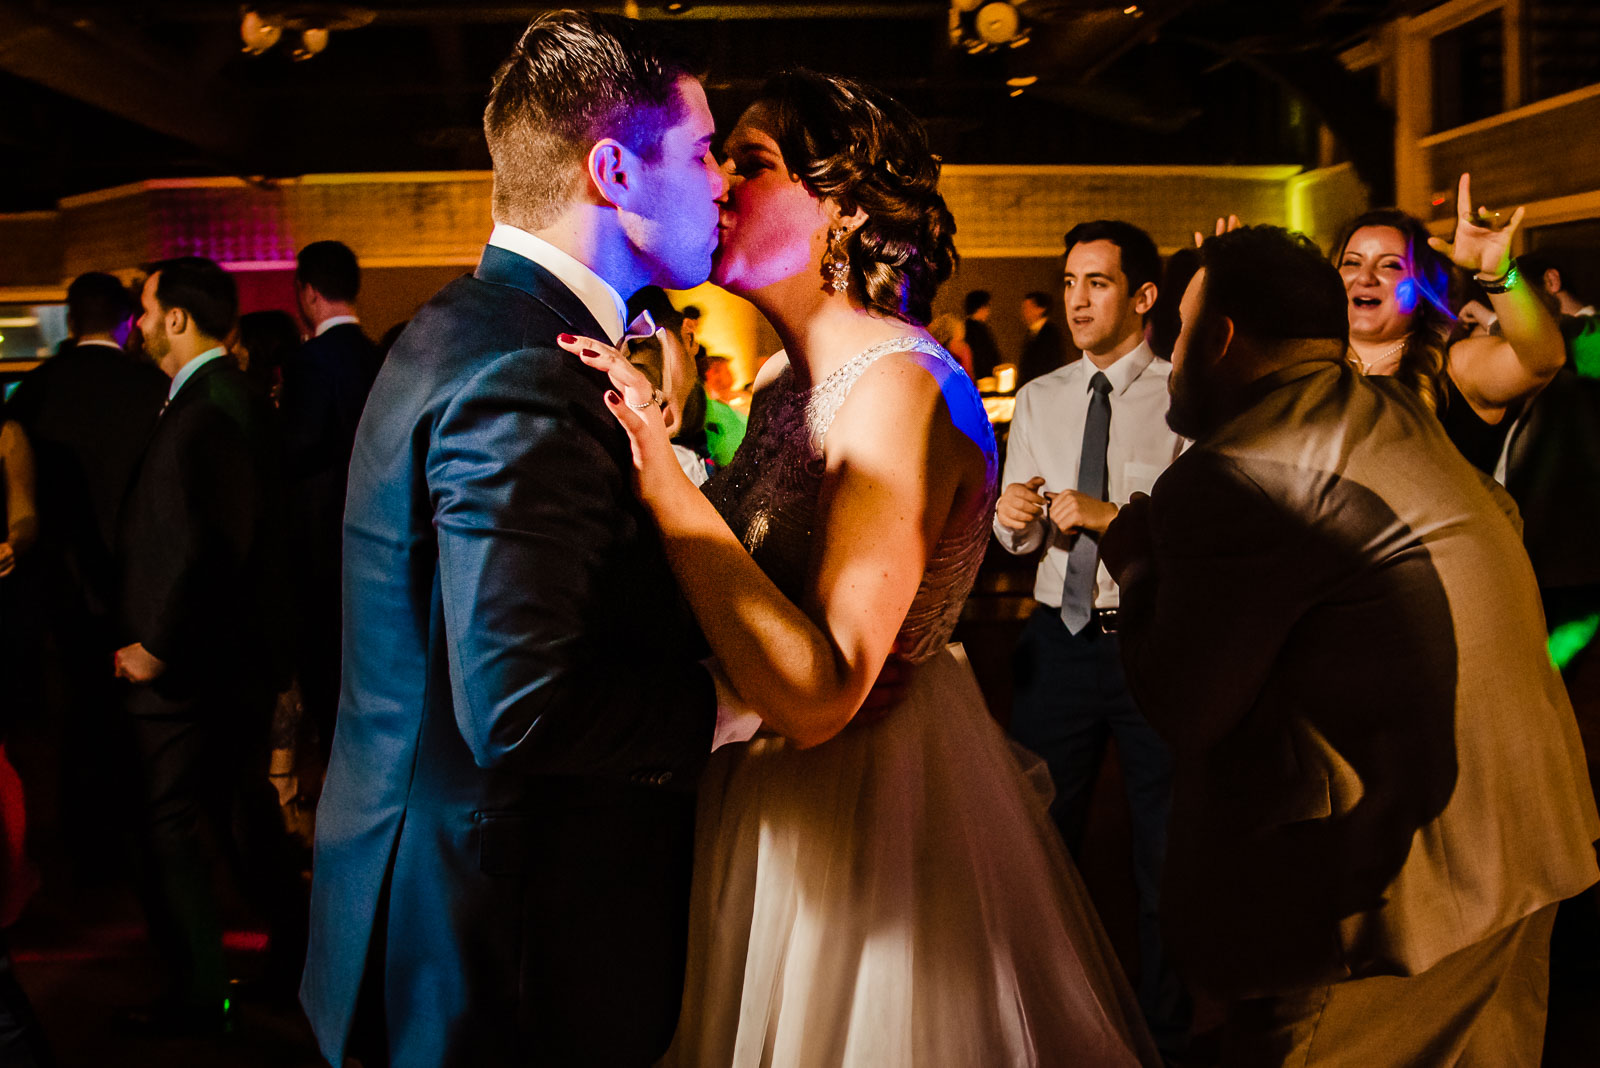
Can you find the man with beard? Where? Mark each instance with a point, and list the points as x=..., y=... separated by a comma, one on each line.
x=1085, y=438
x=201, y=610
x=1379, y=792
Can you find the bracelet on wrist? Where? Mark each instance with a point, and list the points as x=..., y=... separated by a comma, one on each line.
x=1505, y=282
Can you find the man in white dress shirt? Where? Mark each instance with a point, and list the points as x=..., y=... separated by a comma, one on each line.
x=1084, y=439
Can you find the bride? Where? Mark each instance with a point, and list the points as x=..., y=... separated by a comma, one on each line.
x=881, y=890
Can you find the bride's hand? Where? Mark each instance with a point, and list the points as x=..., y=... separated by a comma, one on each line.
x=637, y=405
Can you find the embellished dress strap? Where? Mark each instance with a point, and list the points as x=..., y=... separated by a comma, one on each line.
x=828, y=396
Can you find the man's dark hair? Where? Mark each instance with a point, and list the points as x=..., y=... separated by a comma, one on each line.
x=668, y=317
x=1040, y=300
x=574, y=78
x=271, y=337
x=97, y=303
x=1274, y=286
x=690, y=311
x=1165, y=321
x=330, y=268
x=975, y=301
x=1141, y=261
x=201, y=288
x=1564, y=261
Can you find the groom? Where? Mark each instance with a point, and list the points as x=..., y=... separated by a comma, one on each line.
x=504, y=840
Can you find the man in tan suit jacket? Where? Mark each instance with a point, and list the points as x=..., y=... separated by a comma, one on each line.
x=1380, y=793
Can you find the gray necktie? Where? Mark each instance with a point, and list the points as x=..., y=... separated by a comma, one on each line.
x=1083, y=559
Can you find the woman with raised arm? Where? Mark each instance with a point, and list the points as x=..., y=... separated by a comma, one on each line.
x=881, y=890
x=1403, y=317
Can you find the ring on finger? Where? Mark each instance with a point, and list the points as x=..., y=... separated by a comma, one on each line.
x=657, y=400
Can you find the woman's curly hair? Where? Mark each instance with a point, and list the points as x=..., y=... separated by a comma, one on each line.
x=1433, y=293
x=852, y=143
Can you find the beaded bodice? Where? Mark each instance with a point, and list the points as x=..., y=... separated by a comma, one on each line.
x=768, y=494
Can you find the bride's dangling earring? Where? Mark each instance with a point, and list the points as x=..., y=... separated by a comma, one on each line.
x=836, y=261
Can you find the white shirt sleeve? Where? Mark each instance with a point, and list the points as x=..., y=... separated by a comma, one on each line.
x=736, y=721
x=1020, y=467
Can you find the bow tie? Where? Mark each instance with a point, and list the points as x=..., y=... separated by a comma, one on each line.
x=643, y=326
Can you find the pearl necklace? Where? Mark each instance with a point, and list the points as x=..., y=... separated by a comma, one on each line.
x=1366, y=368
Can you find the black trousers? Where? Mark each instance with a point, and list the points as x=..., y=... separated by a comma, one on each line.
x=205, y=796
x=1071, y=696
x=22, y=1043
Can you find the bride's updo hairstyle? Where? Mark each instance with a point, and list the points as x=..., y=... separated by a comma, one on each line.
x=858, y=146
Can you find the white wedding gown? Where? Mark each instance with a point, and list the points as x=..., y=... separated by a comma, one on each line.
x=896, y=897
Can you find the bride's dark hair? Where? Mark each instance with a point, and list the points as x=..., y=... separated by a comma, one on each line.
x=862, y=148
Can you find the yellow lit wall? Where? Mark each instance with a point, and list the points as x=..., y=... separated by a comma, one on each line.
x=729, y=326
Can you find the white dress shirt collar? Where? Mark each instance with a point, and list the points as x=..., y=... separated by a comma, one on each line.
x=603, y=303
x=187, y=371
x=1121, y=374
x=332, y=321
x=107, y=342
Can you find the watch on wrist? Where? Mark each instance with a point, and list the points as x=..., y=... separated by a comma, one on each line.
x=1505, y=282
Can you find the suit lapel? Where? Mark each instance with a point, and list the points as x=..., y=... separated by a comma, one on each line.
x=499, y=267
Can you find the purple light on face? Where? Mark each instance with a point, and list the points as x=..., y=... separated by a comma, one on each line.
x=1406, y=294
x=1437, y=296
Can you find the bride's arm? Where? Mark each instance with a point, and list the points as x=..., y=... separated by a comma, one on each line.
x=894, y=463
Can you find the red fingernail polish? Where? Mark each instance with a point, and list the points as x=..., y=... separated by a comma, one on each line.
x=591, y=353
x=613, y=396
x=566, y=339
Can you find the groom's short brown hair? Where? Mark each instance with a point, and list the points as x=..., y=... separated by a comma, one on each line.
x=575, y=77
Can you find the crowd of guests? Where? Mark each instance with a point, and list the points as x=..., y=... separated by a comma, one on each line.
x=175, y=479
x=177, y=598
x=1504, y=385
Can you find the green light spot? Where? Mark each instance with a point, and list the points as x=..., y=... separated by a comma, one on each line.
x=1572, y=638
x=227, y=1006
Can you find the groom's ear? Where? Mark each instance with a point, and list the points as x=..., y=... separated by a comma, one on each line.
x=613, y=172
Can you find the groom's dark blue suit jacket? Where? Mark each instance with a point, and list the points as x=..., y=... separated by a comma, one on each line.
x=505, y=833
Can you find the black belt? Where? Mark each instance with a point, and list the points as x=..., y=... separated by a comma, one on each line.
x=1105, y=619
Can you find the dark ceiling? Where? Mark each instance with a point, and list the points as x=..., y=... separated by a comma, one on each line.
x=95, y=94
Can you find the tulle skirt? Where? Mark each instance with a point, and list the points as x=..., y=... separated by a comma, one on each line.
x=896, y=897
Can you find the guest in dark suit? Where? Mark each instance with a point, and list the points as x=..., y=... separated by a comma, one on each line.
x=985, y=353
x=88, y=411
x=1042, y=350
x=266, y=340
x=201, y=608
x=504, y=838
x=325, y=388
x=1379, y=795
